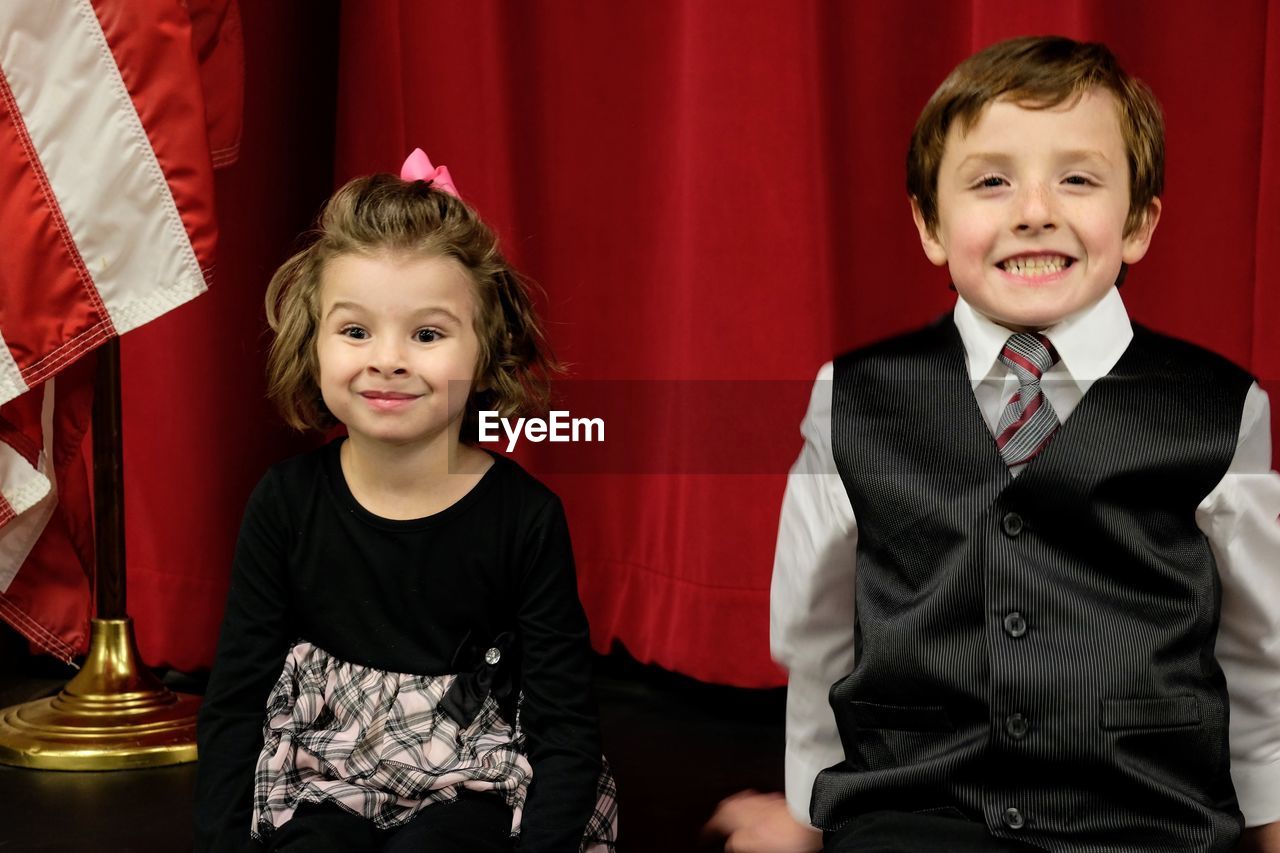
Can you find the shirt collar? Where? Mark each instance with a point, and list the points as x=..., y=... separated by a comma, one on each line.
x=1089, y=342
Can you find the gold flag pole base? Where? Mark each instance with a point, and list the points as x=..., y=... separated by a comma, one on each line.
x=113, y=715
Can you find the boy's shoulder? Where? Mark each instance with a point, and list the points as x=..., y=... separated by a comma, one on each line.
x=939, y=339
x=1185, y=359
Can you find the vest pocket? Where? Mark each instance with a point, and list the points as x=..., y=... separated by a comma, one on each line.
x=901, y=718
x=1167, y=712
x=886, y=737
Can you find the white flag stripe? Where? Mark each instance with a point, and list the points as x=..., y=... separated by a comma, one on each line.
x=99, y=162
x=39, y=496
x=21, y=534
x=21, y=484
x=11, y=381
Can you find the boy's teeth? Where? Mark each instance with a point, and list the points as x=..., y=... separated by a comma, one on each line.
x=1035, y=266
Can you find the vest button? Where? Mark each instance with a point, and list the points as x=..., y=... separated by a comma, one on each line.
x=1017, y=726
x=1012, y=524
x=1013, y=819
x=1015, y=625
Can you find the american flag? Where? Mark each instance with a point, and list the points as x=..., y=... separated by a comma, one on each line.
x=106, y=210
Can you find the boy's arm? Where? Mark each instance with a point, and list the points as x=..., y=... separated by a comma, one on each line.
x=1240, y=519
x=810, y=633
x=812, y=599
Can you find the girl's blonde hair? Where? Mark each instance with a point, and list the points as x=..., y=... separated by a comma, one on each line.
x=382, y=214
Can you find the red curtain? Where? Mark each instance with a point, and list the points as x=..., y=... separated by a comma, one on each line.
x=711, y=195
x=197, y=432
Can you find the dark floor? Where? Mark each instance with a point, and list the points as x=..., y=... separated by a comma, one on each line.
x=677, y=747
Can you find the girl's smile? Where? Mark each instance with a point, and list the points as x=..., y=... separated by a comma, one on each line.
x=388, y=401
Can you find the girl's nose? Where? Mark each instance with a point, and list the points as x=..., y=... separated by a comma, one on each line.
x=1035, y=211
x=387, y=359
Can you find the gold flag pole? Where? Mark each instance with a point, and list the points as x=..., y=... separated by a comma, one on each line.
x=114, y=714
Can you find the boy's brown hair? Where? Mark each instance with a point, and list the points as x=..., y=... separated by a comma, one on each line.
x=1038, y=72
x=381, y=214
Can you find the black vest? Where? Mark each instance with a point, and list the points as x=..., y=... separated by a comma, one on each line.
x=1036, y=652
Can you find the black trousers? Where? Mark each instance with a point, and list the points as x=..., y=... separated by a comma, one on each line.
x=473, y=823
x=904, y=832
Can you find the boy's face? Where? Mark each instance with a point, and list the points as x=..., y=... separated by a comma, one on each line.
x=1031, y=210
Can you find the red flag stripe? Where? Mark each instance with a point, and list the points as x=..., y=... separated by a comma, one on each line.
x=48, y=325
x=106, y=205
x=36, y=632
x=165, y=104
x=134, y=200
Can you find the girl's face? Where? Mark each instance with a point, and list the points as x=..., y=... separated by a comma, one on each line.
x=397, y=346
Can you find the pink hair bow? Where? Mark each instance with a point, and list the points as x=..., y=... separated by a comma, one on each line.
x=417, y=167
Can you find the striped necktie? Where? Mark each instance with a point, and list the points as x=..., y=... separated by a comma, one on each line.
x=1028, y=421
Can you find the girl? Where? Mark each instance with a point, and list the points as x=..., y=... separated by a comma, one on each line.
x=402, y=604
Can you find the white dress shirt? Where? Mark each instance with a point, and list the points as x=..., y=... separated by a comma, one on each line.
x=812, y=598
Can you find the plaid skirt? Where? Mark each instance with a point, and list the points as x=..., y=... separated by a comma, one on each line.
x=378, y=744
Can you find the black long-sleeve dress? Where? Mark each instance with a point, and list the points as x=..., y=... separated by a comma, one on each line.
x=430, y=597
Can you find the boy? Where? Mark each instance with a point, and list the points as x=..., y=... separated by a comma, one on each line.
x=1036, y=615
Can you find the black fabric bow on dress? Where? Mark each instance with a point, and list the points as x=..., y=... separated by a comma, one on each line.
x=484, y=669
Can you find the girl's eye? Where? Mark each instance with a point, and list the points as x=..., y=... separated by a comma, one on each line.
x=989, y=182
x=426, y=336
x=1079, y=181
x=355, y=332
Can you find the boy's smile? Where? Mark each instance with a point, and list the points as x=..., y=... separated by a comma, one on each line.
x=1031, y=210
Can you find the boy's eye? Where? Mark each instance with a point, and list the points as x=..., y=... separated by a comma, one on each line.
x=1078, y=180
x=987, y=182
x=355, y=332
x=426, y=336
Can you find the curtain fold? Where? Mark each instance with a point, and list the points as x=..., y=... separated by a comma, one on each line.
x=1264, y=353
x=715, y=192
x=197, y=432
x=712, y=197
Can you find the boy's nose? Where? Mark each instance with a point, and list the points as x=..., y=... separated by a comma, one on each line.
x=1035, y=210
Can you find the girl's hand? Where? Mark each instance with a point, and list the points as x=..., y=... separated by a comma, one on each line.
x=761, y=823
x=1260, y=839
